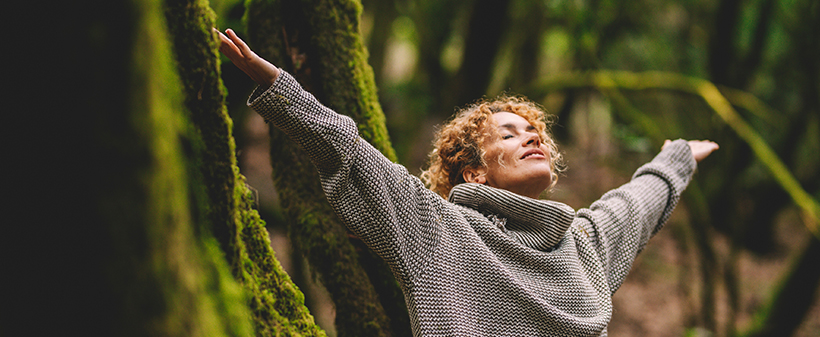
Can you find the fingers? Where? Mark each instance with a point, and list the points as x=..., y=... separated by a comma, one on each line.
x=225, y=42
x=243, y=48
x=705, y=144
x=259, y=70
x=702, y=148
x=228, y=47
x=233, y=47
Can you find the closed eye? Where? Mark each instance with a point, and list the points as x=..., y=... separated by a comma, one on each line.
x=507, y=136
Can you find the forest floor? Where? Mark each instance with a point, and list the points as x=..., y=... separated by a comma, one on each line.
x=661, y=295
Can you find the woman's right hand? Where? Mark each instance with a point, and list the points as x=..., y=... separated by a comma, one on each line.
x=258, y=69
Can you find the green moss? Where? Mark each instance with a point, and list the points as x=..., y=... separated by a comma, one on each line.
x=174, y=282
x=277, y=304
x=275, y=288
x=335, y=70
x=345, y=80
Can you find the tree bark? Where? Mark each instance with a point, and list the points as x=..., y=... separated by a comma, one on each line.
x=319, y=43
x=486, y=27
x=113, y=247
x=277, y=304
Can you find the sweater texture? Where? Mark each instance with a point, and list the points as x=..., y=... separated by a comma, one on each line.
x=486, y=262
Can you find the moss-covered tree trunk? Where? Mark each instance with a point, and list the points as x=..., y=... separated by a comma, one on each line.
x=277, y=304
x=113, y=247
x=318, y=41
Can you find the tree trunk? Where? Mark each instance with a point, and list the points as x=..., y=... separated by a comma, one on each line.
x=319, y=43
x=486, y=27
x=793, y=298
x=277, y=304
x=112, y=247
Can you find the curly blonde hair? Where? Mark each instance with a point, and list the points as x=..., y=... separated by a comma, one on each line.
x=459, y=144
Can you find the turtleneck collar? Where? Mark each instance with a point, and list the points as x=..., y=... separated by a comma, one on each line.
x=538, y=224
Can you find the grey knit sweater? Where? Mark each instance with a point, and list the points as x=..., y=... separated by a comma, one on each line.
x=486, y=262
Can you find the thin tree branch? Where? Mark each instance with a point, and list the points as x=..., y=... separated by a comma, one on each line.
x=604, y=80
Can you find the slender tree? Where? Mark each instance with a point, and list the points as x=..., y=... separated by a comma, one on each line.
x=793, y=298
x=277, y=304
x=485, y=29
x=318, y=41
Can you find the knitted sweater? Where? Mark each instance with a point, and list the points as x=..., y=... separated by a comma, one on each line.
x=486, y=262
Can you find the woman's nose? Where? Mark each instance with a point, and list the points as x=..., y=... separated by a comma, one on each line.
x=533, y=139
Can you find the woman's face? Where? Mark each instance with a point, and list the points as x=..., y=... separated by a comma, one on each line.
x=516, y=158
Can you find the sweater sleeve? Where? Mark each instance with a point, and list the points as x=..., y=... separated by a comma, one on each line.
x=623, y=220
x=379, y=201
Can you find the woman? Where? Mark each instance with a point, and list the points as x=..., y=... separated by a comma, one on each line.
x=491, y=259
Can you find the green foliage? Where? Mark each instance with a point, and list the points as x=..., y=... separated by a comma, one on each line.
x=743, y=73
x=715, y=100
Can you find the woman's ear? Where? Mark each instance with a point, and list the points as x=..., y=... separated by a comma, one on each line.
x=475, y=175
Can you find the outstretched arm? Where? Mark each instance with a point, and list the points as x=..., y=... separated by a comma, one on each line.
x=623, y=220
x=379, y=201
x=260, y=70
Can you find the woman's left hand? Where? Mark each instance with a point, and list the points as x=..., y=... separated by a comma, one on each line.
x=700, y=148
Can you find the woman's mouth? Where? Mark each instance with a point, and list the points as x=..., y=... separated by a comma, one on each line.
x=534, y=154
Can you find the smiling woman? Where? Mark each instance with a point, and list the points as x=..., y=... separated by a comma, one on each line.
x=488, y=259
x=523, y=163
x=474, y=135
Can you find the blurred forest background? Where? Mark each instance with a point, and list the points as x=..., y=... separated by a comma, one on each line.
x=621, y=76
x=143, y=191
x=737, y=237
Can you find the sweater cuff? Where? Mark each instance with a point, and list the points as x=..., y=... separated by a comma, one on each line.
x=261, y=98
x=675, y=163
